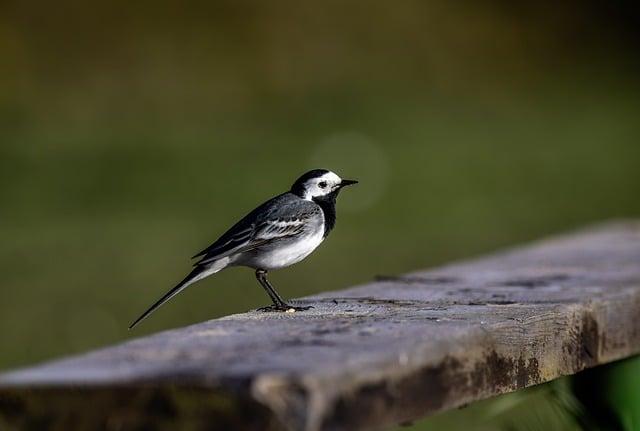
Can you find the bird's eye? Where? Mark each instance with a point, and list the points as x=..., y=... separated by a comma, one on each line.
x=322, y=184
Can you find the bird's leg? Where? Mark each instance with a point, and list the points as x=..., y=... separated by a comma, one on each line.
x=261, y=276
x=278, y=303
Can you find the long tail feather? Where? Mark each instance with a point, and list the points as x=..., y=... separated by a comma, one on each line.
x=195, y=275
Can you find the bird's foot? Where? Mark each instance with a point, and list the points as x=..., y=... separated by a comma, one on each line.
x=286, y=308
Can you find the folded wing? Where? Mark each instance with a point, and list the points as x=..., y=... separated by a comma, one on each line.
x=281, y=217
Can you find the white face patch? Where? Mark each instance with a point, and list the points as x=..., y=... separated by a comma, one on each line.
x=321, y=186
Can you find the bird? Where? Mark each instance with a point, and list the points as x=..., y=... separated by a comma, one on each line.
x=279, y=233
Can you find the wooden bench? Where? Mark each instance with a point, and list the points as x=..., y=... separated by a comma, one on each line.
x=367, y=357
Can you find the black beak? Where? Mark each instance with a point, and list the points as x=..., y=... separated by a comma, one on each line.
x=344, y=183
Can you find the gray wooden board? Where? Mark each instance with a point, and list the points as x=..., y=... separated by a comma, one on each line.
x=367, y=357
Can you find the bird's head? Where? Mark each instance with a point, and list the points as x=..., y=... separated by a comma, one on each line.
x=319, y=184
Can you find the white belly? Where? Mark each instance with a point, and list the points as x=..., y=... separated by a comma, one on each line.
x=288, y=254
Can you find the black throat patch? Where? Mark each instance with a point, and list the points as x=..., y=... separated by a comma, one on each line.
x=328, y=205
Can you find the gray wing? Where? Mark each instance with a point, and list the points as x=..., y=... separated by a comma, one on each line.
x=282, y=217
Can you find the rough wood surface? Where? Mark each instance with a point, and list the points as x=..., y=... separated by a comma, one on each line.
x=363, y=358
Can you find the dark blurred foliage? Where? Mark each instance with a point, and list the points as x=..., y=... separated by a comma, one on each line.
x=599, y=413
x=189, y=58
x=133, y=133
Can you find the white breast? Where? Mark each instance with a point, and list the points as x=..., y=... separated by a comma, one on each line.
x=288, y=254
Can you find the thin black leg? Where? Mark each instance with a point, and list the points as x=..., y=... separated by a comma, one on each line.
x=261, y=276
x=279, y=304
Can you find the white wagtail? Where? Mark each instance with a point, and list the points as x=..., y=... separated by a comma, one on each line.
x=280, y=232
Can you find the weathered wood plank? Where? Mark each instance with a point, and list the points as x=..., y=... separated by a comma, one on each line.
x=363, y=358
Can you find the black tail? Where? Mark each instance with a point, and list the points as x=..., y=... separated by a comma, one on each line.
x=170, y=294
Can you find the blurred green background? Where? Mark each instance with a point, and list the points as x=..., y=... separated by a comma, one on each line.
x=133, y=133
